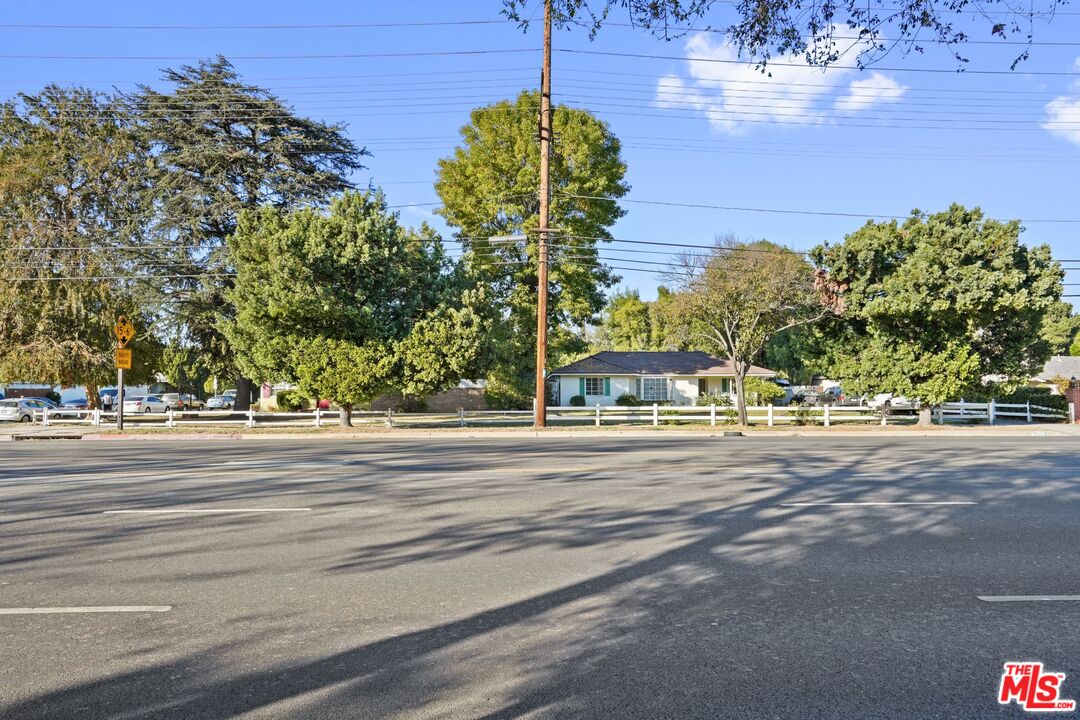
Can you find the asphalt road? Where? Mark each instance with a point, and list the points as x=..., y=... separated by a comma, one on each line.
x=559, y=577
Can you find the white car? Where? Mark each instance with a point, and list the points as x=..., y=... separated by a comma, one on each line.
x=144, y=404
x=889, y=401
x=20, y=409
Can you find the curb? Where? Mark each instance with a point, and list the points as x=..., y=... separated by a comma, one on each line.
x=535, y=434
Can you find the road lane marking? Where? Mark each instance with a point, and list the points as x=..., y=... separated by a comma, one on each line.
x=89, y=609
x=177, y=511
x=1029, y=598
x=872, y=504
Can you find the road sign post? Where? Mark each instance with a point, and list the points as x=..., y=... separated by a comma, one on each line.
x=124, y=332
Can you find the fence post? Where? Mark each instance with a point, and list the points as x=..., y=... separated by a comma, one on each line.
x=96, y=417
x=318, y=415
x=771, y=416
x=45, y=417
x=1029, y=411
x=884, y=417
x=389, y=418
x=991, y=411
x=597, y=414
x=251, y=417
x=712, y=414
x=169, y=419
x=655, y=414
x=940, y=414
x=461, y=417
x=826, y=414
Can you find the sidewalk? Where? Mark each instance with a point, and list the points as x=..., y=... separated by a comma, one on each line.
x=382, y=433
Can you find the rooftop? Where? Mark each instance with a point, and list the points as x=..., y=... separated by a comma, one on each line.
x=654, y=363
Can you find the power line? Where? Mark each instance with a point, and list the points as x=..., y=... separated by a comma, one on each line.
x=749, y=64
x=322, y=56
x=319, y=26
x=783, y=211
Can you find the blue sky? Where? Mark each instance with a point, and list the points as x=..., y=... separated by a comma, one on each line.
x=874, y=142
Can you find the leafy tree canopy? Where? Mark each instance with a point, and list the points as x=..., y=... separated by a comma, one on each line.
x=1060, y=328
x=934, y=304
x=349, y=304
x=823, y=32
x=221, y=146
x=490, y=187
x=731, y=301
x=71, y=171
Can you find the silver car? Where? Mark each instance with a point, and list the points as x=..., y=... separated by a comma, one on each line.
x=144, y=404
x=20, y=409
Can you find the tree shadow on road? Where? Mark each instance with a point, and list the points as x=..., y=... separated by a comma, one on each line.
x=757, y=608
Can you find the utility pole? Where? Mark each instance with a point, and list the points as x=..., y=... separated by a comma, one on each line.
x=542, y=227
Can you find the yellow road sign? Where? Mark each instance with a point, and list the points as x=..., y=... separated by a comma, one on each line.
x=124, y=331
x=123, y=359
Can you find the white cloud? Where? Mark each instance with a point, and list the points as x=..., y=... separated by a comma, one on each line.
x=1063, y=113
x=1064, y=118
x=865, y=92
x=734, y=95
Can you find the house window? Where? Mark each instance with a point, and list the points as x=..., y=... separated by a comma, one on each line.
x=653, y=389
x=594, y=386
x=703, y=386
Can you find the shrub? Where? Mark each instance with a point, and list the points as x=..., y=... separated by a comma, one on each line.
x=718, y=399
x=726, y=413
x=760, y=391
x=804, y=415
x=578, y=401
x=291, y=400
x=628, y=399
x=1034, y=395
x=499, y=395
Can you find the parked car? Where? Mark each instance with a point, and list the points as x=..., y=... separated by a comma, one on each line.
x=220, y=402
x=144, y=404
x=72, y=408
x=20, y=409
x=172, y=401
x=786, y=386
x=191, y=402
x=230, y=393
x=889, y=401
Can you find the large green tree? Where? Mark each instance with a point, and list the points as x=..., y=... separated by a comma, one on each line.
x=627, y=324
x=349, y=304
x=934, y=304
x=824, y=32
x=1060, y=328
x=489, y=188
x=72, y=253
x=221, y=146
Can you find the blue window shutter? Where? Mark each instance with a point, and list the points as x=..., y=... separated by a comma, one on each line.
x=581, y=386
x=607, y=386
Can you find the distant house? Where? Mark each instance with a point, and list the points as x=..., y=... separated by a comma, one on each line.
x=1059, y=366
x=672, y=377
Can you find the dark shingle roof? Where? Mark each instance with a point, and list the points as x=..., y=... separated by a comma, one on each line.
x=654, y=363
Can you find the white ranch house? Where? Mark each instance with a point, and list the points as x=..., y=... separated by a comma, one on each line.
x=654, y=377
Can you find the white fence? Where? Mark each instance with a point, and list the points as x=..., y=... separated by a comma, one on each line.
x=993, y=411
x=598, y=415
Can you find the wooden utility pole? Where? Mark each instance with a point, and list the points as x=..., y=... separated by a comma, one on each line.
x=542, y=227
